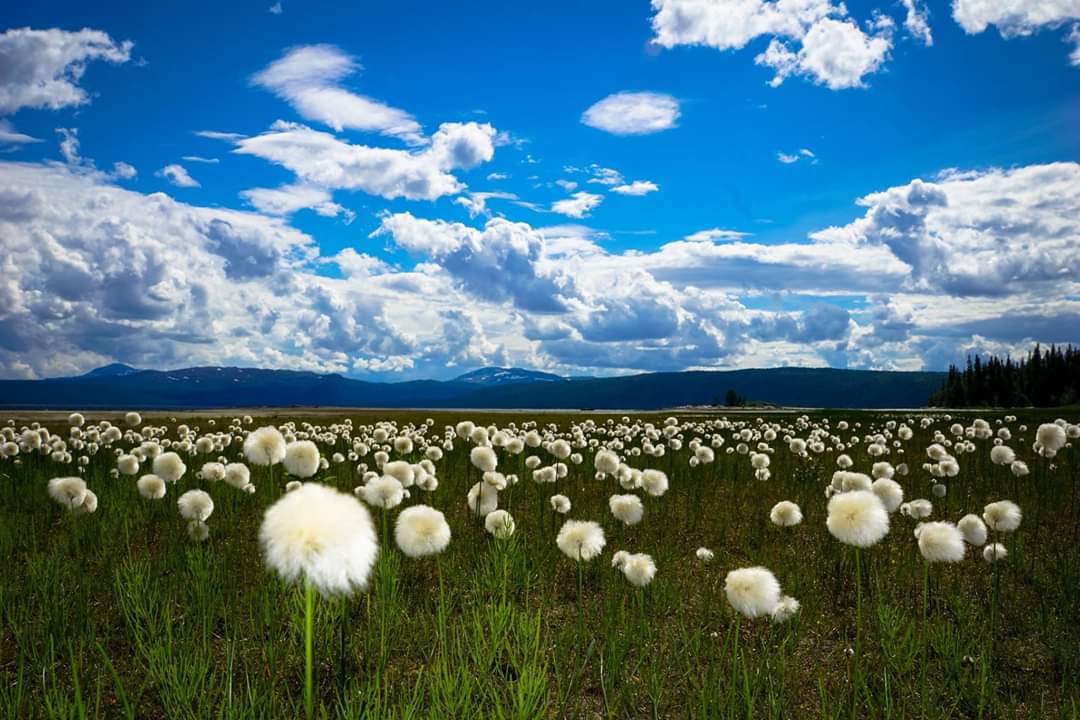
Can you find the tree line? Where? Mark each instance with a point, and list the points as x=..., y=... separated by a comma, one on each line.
x=1045, y=378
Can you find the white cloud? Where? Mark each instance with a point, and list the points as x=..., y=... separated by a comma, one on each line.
x=812, y=38
x=178, y=176
x=309, y=77
x=917, y=21
x=96, y=273
x=43, y=68
x=833, y=53
x=123, y=171
x=1014, y=18
x=638, y=187
x=476, y=202
x=633, y=113
x=498, y=176
x=275, y=9
x=567, y=185
x=321, y=159
x=215, y=135
x=604, y=175
x=577, y=205
x=994, y=232
x=716, y=234
x=1074, y=38
x=9, y=136
x=200, y=159
x=69, y=145
x=790, y=158
x=287, y=199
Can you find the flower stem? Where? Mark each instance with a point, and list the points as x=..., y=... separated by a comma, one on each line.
x=309, y=665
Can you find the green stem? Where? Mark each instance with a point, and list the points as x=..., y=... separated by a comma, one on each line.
x=924, y=692
x=309, y=664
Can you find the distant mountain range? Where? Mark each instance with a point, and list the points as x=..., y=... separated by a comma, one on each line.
x=120, y=386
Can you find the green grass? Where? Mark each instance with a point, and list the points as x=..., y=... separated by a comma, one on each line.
x=118, y=614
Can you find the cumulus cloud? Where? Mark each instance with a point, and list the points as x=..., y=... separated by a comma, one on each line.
x=97, y=273
x=577, y=205
x=123, y=171
x=44, y=68
x=177, y=175
x=992, y=232
x=811, y=38
x=309, y=78
x=633, y=113
x=1014, y=18
x=500, y=263
x=638, y=187
x=320, y=159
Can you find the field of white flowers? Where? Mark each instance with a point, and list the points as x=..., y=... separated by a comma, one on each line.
x=472, y=565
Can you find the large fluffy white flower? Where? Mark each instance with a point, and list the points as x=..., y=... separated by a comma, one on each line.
x=382, y=492
x=169, y=467
x=421, y=531
x=482, y=498
x=889, y=492
x=581, y=539
x=265, y=446
x=195, y=505
x=639, y=569
x=68, y=491
x=941, y=542
x=500, y=524
x=785, y=514
x=1002, y=516
x=301, y=458
x=753, y=592
x=151, y=487
x=857, y=518
x=626, y=508
x=973, y=529
x=318, y=535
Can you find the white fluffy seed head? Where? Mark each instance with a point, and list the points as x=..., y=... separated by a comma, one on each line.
x=941, y=542
x=127, y=464
x=1002, y=516
x=560, y=504
x=265, y=446
x=301, y=459
x=785, y=514
x=482, y=499
x=151, y=487
x=889, y=492
x=581, y=539
x=1051, y=437
x=169, y=467
x=857, y=518
x=237, y=475
x=628, y=509
x=704, y=554
x=383, y=492
x=500, y=524
x=195, y=505
x=655, y=482
x=994, y=552
x=483, y=458
x=403, y=471
x=69, y=492
x=973, y=529
x=321, y=536
x=421, y=531
x=753, y=592
x=213, y=471
x=786, y=608
x=606, y=462
x=639, y=569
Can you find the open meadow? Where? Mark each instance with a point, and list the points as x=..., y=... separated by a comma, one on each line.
x=526, y=565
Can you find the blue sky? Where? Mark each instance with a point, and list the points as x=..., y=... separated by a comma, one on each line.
x=537, y=185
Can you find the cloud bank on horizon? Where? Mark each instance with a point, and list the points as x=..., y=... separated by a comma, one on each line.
x=720, y=184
